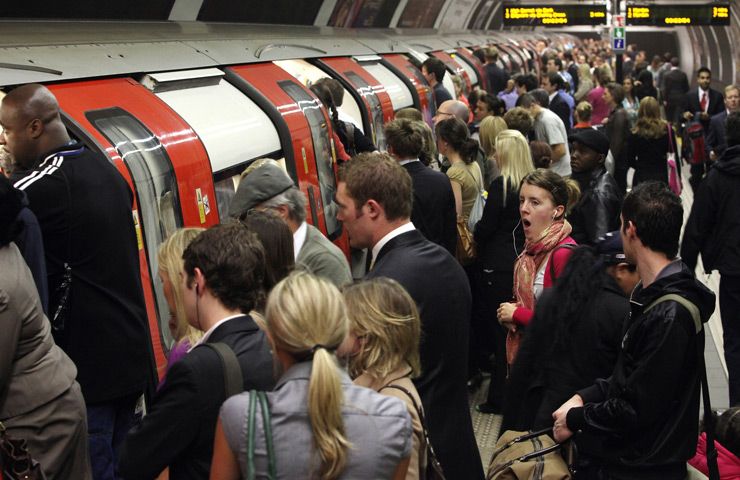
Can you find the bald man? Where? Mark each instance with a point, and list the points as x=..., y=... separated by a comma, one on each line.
x=452, y=108
x=96, y=304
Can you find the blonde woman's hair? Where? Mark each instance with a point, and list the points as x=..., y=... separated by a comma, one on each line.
x=384, y=315
x=513, y=158
x=584, y=111
x=170, y=261
x=649, y=124
x=490, y=127
x=306, y=317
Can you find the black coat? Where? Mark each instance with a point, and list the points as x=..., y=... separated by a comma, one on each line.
x=439, y=286
x=676, y=84
x=497, y=78
x=598, y=208
x=441, y=94
x=716, y=104
x=713, y=227
x=545, y=376
x=716, y=139
x=648, y=157
x=561, y=108
x=646, y=412
x=179, y=428
x=498, y=243
x=433, y=212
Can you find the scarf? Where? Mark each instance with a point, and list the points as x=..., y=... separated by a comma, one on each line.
x=530, y=261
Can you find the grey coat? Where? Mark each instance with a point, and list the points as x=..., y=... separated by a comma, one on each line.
x=321, y=257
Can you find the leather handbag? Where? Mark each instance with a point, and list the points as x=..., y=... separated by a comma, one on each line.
x=529, y=456
x=15, y=459
x=260, y=398
x=465, y=252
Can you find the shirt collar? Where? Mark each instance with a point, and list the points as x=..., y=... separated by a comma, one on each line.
x=552, y=95
x=410, y=160
x=406, y=227
x=299, y=238
x=206, y=335
x=302, y=371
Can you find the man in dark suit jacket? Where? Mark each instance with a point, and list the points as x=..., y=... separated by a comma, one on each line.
x=433, y=211
x=497, y=77
x=701, y=104
x=375, y=197
x=676, y=85
x=716, y=139
x=552, y=83
x=178, y=430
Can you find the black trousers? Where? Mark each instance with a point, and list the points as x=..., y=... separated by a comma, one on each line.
x=698, y=170
x=729, y=307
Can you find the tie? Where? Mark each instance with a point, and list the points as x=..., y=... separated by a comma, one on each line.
x=703, y=103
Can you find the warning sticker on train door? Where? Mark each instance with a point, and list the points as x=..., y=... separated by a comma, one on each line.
x=137, y=228
x=201, y=207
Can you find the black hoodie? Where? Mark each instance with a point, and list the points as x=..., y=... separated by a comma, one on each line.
x=647, y=411
x=713, y=227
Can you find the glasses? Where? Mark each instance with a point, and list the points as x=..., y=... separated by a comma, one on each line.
x=439, y=112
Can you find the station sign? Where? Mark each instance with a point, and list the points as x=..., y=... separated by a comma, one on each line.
x=652, y=15
x=530, y=15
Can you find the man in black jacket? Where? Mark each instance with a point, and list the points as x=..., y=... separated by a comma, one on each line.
x=375, y=197
x=646, y=412
x=221, y=283
x=597, y=210
x=716, y=142
x=83, y=206
x=497, y=77
x=713, y=229
x=676, y=84
x=433, y=211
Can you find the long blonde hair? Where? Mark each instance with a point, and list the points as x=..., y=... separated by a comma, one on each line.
x=306, y=316
x=490, y=127
x=384, y=315
x=513, y=158
x=170, y=261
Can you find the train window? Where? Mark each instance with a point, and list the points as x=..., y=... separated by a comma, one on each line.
x=227, y=181
x=366, y=91
x=472, y=74
x=307, y=73
x=416, y=73
x=323, y=152
x=400, y=95
x=156, y=189
x=231, y=126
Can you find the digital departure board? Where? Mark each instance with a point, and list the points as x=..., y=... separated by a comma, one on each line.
x=716, y=14
x=519, y=15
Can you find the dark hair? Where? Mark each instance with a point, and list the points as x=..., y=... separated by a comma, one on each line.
x=657, y=215
x=10, y=207
x=336, y=89
x=494, y=104
x=541, y=154
x=728, y=430
x=435, y=67
x=616, y=91
x=732, y=129
x=456, y=134
x=376, y=176
x=518, y=119
x=527, y=80
x=322, y=91
x=558, y=62
x=541, y=97
x=480, y=55
x=703, y=70
x=674, y=61
x=277, y=241
x=405, y=140
x=233, y=262
x=555, y=79
x=564, y=191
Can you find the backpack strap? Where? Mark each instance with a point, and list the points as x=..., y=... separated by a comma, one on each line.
x=233, y=379
x=692, y=309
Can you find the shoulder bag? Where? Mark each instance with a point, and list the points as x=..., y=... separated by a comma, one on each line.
x=15, y=460
x=433, y=470
x=674, y=180
x=476, y=213
x=260, y=398
x=529, y=456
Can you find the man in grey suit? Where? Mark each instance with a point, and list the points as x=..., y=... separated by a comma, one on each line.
x=270, y=188
x=374, y=196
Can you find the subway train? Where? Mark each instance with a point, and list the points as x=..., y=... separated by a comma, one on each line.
x=182, y=108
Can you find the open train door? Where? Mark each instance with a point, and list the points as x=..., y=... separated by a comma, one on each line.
x=163, y=161
x=422, y=93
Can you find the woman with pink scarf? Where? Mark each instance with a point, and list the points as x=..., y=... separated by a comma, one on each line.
x=544, y=199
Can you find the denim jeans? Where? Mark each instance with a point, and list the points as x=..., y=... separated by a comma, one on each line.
x=107, y=426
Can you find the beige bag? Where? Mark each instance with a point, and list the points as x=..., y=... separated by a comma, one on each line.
x=528, y=456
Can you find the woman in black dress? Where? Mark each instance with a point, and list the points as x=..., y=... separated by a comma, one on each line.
x=648, y=145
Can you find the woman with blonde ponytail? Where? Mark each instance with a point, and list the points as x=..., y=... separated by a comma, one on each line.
x=323, y=427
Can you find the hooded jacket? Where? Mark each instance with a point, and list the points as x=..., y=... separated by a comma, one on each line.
x=713, y=227
x=647, y=411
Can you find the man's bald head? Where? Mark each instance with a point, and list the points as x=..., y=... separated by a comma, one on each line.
x=450, y=108
x=32, y=125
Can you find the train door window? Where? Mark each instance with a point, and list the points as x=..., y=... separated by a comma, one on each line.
x=399, y=93
x=307, y=74
x=227, y=181
x=366, y=91
x=156, y=189
x=323, y=152
x=233, y=129
x=472, y=74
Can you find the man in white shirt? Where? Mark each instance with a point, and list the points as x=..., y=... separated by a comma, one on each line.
x=548, y=128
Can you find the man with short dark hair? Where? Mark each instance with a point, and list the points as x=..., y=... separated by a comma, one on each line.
x=554, y=84
x=646, y=413
x=433, y=212
x=375, y=203
x=434, y=72
x=713, y=229
x=525, y=83
x=222, y=281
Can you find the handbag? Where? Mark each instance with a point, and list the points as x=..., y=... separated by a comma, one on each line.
x=476, y=212
x=260, y=398
x=695, y=153
x=465, y=252
x=15, y=459
x=674, y=180
x=529, y=456
x=433, y=470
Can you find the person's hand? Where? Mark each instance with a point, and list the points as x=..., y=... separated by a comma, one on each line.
x=688, y=115
x=712, y=156
x=605, y=121
x=704, y=116
x=560, y=429
x=637, y=83
x=505, y=313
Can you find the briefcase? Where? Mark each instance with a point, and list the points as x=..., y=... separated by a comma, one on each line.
x=529, y=456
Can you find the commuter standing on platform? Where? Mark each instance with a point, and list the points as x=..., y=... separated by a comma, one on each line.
x=375, y=199
x=716, y=141
x=646, y=412
x=434, y=72
x=675, y=85
x=549, y=128
x=497, y=77
x=712, y=230
x=98, y=316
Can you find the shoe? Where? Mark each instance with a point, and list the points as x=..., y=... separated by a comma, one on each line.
x=488, y=408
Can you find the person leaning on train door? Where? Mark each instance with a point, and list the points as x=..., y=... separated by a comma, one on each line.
x=269, y=188
x=83, y=206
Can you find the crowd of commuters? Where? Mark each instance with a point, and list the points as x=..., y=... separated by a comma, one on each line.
x=285, y=363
